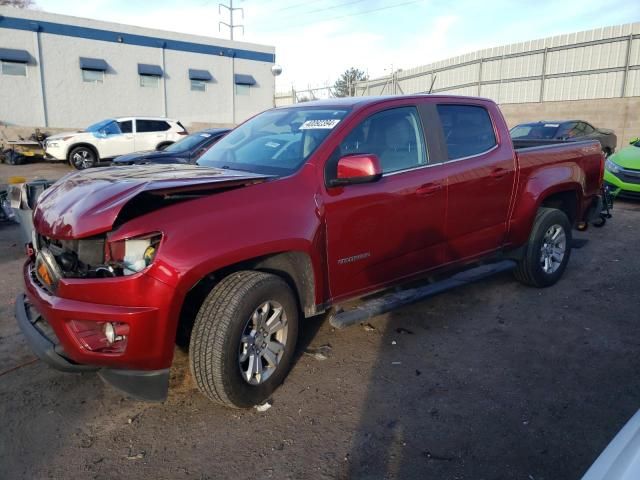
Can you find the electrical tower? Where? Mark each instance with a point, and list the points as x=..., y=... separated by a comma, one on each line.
x=231, y=25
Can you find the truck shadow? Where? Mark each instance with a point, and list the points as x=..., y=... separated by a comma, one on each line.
x=495, y=380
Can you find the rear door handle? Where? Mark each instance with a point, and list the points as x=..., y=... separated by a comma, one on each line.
x=428, y=189
x=499, y=172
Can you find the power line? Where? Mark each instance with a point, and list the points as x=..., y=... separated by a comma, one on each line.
x=366, y=12
x=323, y=9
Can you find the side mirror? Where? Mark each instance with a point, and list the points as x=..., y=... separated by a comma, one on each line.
x=352, y=169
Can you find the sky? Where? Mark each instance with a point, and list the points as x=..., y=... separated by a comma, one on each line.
x=316, y=40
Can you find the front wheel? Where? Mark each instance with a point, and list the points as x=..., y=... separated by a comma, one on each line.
x=548, y=250
x=243, y=338
x=82, y=157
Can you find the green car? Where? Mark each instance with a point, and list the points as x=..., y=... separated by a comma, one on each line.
x=622, y=171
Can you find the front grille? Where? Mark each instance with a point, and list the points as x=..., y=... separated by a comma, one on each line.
x=628, y=175
x=629, y=194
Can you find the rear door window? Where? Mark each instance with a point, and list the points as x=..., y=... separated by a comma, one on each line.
x=468, y=130
x=143, y=126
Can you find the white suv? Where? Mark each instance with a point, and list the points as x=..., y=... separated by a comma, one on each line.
x=112, y=137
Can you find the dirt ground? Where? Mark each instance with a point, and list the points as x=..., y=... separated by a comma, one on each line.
x=490, y=381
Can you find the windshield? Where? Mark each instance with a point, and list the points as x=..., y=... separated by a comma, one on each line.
x=187, y=143
x=545, y=131
x=96, y=127
x=276, y=142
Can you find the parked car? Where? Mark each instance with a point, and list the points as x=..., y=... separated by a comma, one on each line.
x=110, y=138
x=297, y=211
x=186, y=150
x=541, y=133
x=622, y=171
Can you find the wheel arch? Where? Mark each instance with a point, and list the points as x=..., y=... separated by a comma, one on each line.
x=83, y=144
x=294, y=267
x=566, y=196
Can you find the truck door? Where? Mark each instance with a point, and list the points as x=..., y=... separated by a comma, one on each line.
x=393, y=228
x=480, y=179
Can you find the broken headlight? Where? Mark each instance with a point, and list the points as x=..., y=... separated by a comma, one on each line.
x=134, y=254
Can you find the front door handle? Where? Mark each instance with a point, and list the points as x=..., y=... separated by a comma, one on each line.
x=499, y=172
x=428, y=189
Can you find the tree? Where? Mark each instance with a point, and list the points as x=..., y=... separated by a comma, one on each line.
x=18, y=3
x=345, y=86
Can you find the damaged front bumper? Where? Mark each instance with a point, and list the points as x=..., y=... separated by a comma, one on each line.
x=141, y=370
x=149, y=385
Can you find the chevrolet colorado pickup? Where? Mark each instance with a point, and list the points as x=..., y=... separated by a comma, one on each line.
x=297, y=211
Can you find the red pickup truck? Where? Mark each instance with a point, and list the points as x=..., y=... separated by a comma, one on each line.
x=295, y=212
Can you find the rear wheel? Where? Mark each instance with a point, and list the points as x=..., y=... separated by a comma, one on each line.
x=83, y=157
x=243, y=339
x=548, y=250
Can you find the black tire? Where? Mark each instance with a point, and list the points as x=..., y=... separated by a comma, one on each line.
x=14, y=158
x=215, y=343
x=530, y=270
x=83, y=157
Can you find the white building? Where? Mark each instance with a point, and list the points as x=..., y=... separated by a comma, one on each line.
x=62, y=71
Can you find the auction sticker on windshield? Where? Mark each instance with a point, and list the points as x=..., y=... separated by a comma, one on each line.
x=323, y=124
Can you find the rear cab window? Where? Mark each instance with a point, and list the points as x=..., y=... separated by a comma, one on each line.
x=468, y=130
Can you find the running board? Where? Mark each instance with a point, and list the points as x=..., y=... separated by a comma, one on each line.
x=395, y=300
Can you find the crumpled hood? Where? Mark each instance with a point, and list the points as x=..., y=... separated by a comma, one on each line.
x=87, y=203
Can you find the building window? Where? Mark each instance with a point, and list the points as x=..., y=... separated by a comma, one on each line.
x=198, y=85
x=93, y=76
x=151, y=81
x=13, y=68
x=243, y=90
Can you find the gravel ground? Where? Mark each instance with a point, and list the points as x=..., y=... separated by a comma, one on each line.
x=490, y=381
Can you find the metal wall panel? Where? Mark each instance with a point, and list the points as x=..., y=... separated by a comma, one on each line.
x=633, y=84
x=634, y=58
x=457, y=76
x=471, y=90
x=578, y=87
x=512, y=92
x=513, y=67
x=415, y=84
x=593, y=57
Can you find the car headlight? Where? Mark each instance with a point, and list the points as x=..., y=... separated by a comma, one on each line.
x=613, y=167
x=134, y=254
x=52, y=144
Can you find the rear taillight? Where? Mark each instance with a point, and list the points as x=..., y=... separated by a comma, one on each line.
x=183, y=133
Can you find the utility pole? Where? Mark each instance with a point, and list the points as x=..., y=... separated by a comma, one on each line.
x=231, y=25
